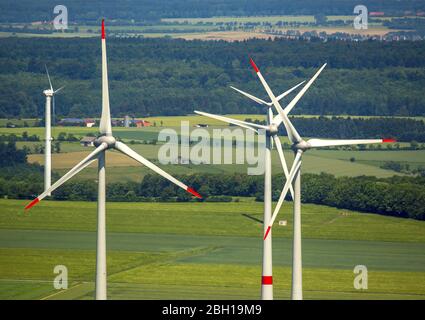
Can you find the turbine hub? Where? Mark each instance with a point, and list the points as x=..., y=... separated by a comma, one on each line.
x=273, y=129
x=109, y=140
x=302, y=145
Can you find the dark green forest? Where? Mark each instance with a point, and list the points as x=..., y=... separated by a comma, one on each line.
x=400, y=129
x=396, y=196
x=174, y=77
x=146, y=11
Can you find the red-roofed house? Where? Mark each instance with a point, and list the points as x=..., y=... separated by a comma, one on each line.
x=89, y=123
x=376, y=14
x=142, y=123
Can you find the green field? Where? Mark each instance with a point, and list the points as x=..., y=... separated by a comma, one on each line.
x=204, y=251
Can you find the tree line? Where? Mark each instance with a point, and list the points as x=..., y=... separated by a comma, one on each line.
x=402, y=129
x=404, y=197
x=175, y=77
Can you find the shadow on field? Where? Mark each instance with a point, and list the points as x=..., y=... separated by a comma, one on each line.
x=252, y=218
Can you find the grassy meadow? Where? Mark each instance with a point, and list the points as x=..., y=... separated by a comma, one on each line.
x=204, y=251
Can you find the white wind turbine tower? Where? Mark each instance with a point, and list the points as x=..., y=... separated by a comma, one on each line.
x=299, y=146
x=50, y=101
x=104, y=142
x=271, y=130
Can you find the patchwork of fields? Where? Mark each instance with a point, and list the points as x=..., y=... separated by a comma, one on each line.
x=215, y=28
x=204, y=251
x=339, y=163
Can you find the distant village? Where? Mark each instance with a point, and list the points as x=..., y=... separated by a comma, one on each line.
x=323, y=36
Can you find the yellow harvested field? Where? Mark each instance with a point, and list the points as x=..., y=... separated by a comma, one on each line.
x=70, y=159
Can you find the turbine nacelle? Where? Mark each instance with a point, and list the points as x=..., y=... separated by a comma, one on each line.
x=109, y=140
x=302, y=145
x=48, y=92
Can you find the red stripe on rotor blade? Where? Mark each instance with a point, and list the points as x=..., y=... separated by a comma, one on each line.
x=266, y=280
x=267, y=232
x=254, y=65
x=32, y=203
x=103, y=28
x=388, y=140
x=192, y=191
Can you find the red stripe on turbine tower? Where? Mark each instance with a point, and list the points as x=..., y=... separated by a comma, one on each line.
x=254, y=65
x=192, y=191
x=32, y=203
x=266, y=280
x=388, y=140
x=267, y=233
x=103, y=28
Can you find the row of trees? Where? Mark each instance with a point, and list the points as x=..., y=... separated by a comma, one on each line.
x=175, y=77
x=401, y=129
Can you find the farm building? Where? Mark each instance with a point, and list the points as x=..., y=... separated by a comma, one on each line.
x=71, y=122
x=142, y=123
x=89, y=123
x=87, y=141
x=77, y=122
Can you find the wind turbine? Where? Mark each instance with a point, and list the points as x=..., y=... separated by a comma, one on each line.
x=293, y=180
x=271, y=130
x=104, y=142
x=50, y=95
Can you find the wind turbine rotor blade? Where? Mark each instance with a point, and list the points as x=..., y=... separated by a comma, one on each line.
x=105, y=120
x=283, y=95
x=294, y=101
x=48, y=77
x=278, y=119
x=56, y=91
x=295, y=167
x=250, y=96
x=283, y=161
x=317, y=143
x=293, y=135
x=80, y=166
x=134, y=155
x=263, y=81
x=243, y=124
